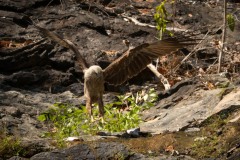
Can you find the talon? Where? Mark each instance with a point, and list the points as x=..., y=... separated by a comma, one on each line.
x=92, y=119
x=102, y=119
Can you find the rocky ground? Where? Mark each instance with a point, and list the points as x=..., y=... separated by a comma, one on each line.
x=197, y=118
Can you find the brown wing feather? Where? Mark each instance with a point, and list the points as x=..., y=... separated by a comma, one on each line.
x=134, y=61
x=65, y=43
x=121, y=67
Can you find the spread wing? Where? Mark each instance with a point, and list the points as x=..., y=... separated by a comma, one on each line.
x=65, y=43
x=134, y=61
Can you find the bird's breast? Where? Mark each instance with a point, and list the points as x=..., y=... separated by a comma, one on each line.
x=93, y=81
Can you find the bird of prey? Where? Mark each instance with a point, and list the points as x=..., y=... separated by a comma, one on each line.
x=131, y=63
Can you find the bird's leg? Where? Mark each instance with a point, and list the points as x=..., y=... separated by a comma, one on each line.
x=100, y=106
x=89, y=107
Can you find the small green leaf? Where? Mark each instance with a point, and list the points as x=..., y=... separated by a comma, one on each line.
x=41, y=118
x=118, y=103
x=231, y=22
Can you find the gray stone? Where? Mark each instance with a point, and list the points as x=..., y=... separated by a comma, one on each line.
x=17, y=158
x=190, y=111
x=100, y=150
x=87, y=151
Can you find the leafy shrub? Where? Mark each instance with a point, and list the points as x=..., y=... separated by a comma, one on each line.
x=160, y=17
x=65, y=120
x=10, y=146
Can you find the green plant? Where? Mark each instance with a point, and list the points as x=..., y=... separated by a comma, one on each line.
x=207, y=148
x=160, y=17
x=230, y=21
x=10, y=146
x=65, y=120
x=211, y=146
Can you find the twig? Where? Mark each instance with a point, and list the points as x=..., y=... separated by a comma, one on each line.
x=196, y=48
x=136, y=22
x=236, y=18
x=223, y=37
x=61, y=1
x=101, y=9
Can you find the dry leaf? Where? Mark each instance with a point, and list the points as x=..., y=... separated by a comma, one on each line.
x=169, y=149
x=13, y=44
x=145, y=11
x=111, y=52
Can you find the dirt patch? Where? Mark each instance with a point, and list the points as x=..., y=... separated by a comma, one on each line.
x=158, y=144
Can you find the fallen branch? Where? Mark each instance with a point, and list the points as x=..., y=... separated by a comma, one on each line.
x=160, y=76
x=136, y=22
